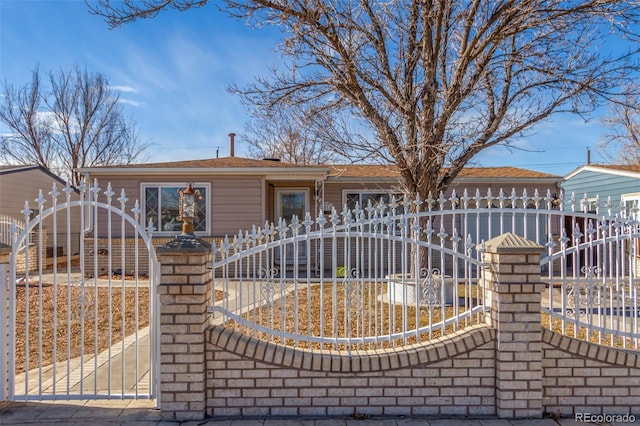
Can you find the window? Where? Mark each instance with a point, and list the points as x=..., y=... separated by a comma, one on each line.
x=161, y=206
x=631, y=202
x=589, y=204
x=362, y=198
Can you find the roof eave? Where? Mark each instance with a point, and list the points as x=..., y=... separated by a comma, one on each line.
x=232, y=171
x=530, y=179
x=368, y=179
x=20, y=168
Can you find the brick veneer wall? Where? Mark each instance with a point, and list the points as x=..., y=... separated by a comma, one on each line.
x=100, y=257
x=583, y=377
x=184, y=293
x=454, y=375
x=34, y=259
x=509, y=367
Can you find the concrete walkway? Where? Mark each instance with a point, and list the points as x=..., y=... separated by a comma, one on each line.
x=112, y=370
x=142, y=413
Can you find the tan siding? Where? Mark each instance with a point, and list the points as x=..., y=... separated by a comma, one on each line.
x=334, y=195
x=131, y=187
x=237, y=203
x=333, y=191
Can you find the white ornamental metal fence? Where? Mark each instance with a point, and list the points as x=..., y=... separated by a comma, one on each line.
x=81, y=331
x=593, y=280
x=6, y=224
x=390, y=275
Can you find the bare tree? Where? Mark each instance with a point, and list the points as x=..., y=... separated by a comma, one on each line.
x=30, y=140
x=289, y=134
x=622, y=143
x=434, y=82
x=78, y=122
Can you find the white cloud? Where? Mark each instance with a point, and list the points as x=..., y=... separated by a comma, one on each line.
x=126, y=89
x=130, y=102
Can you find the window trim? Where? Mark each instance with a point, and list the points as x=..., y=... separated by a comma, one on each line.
x=632, y=196
x=160, y=232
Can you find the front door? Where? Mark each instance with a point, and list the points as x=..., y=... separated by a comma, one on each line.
x=290, y=203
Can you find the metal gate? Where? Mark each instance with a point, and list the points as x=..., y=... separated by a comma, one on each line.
x=83, y=316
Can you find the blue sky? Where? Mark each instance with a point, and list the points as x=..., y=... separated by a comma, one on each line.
x=172, y=72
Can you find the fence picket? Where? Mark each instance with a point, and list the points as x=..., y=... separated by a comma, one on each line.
x=364, y=272
x=43, y=343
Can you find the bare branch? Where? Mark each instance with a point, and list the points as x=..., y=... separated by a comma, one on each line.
x=78, y=122
x=119, y=12
x=431, y=83
x=622, y=143
x=29, y=140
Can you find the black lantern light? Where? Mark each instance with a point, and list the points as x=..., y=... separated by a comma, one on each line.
x=187, y=208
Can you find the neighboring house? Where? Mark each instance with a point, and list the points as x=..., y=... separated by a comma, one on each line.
x=619, y=183
x=20, y=183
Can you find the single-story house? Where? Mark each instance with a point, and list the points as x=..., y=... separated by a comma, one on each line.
x=617, y=182
x=238, y=193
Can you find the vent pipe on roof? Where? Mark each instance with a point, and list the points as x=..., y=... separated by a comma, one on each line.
x=232, y=137
x=588, y=156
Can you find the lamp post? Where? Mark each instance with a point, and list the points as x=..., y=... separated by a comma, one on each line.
x=187, y=208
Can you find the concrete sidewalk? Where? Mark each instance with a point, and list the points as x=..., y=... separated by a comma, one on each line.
x=143, y=413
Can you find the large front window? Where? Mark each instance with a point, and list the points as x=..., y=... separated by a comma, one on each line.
x=364, y=197
x=161, y=207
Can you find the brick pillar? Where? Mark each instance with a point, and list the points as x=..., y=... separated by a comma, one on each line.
x=185, y=293
x=513, y=300
x=5, y=251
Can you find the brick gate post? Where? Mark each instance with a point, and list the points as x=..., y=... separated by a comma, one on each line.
x=185, y=293
x=5, y=251
x=514, y=301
